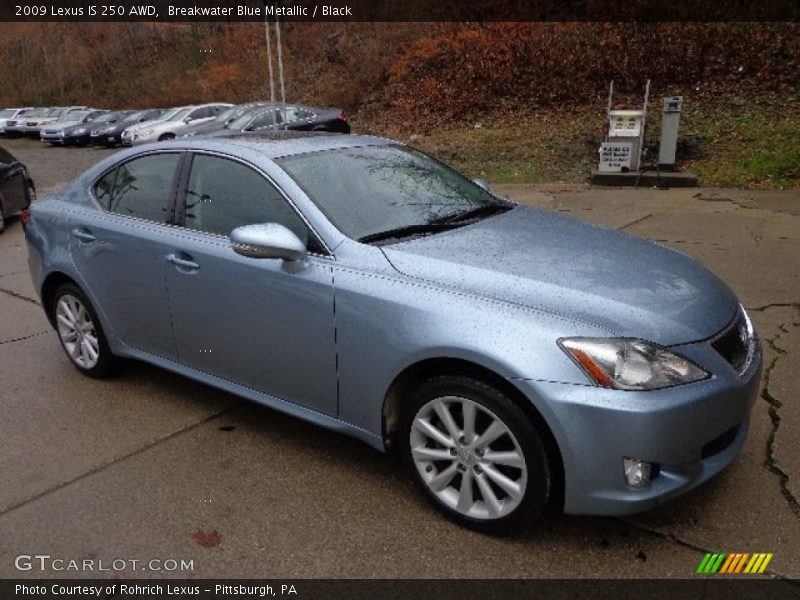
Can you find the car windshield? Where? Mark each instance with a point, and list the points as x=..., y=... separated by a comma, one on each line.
x=369, y=190
x=75, y=115
x=177, y=115
x=127, y=117
x=7, y=113
x=36, y=112
x=107, y=117
x=242, y=121
x=54, y=112
x=225, y=115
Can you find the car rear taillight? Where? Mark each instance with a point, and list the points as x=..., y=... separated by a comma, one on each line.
x=342, y=116
x=24, y=217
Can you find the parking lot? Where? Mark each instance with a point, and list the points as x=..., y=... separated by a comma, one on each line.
x=153, y=466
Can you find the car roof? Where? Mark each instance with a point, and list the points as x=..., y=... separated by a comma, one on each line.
x=277, y=144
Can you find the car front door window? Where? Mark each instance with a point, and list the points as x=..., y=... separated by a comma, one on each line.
x=223, y=194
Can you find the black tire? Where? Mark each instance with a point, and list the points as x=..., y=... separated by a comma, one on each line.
x=166, y=136
x=535, y=472
x=2, y=216
x=107, y=363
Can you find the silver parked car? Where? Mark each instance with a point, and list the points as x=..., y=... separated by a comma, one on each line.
x=172, y=124
x=512, y=355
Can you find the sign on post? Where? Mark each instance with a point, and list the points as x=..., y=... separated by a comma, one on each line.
x=615, y=155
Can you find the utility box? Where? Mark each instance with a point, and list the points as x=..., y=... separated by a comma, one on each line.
x=670, y=118
x=621, y=150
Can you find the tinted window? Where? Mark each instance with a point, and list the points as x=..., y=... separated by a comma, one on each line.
x=266, y=119
x=140, y=187
x=292, y=114
x=203, y=113
x=223, y=195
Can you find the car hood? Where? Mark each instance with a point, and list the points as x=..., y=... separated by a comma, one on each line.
x=63, y=125
x=623, y=284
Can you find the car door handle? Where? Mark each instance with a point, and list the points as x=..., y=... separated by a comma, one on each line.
x=183, y=263
x=83, y=235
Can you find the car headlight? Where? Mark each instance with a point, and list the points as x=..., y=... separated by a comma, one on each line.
x=627, y=364
x=80, y=131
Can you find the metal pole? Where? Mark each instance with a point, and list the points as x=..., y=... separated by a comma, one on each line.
x=269, y=62
x=280, y=71
x=608, y=109
x=644, y=124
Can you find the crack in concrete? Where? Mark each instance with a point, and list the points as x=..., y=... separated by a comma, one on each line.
x=109, y=463
x=774, y=305
x=770, y=461
x=635, y=221
x=19, y=296
x=24, y=337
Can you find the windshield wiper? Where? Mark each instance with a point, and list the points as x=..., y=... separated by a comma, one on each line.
x=406, y=231
x=474, y=213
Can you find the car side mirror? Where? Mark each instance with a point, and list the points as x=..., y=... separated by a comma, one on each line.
x=482, y=184
x=268, y=240
x=187, y=120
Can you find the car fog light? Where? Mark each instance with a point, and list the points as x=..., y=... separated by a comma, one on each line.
x=637, y=472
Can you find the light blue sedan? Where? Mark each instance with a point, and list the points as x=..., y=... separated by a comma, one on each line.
x=513, y=356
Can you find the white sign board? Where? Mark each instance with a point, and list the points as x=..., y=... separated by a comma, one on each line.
x=614, y=156
x=625, y=126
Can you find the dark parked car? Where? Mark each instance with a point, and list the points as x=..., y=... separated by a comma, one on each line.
x=16, y=187
x=296, y=117
x=110, y=134
x=53, y=133
x=80, y=134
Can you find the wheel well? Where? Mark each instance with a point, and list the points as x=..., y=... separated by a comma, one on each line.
x=51, y=283
x=415, y=374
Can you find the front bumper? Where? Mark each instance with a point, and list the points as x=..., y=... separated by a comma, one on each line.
x=691, y=432
x=54, y=137
x=108, y=139
x=137, y=139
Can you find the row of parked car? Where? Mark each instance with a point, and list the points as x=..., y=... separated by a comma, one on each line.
x=82, y=125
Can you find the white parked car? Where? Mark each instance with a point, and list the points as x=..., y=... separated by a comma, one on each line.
x=10, y=114
x=172, y=124
x=32, y=123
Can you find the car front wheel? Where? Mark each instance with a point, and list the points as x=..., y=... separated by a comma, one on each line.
x=80, y=333
x=476, y=455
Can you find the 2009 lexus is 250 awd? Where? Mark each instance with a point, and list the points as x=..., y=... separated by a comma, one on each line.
x=512, y=355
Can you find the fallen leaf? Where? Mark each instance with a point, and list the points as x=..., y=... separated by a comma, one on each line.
x=207, y=540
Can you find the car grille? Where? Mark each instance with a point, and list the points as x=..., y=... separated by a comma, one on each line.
x=736, y=343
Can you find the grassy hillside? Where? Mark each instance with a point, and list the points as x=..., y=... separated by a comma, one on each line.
x=507, y=101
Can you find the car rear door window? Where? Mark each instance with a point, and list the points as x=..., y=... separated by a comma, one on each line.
x=223, y=194
x=141, y=187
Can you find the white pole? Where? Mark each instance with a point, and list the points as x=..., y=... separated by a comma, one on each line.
x=269, y=62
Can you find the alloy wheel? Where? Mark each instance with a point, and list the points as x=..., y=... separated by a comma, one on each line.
x=468, y=458
x=77, y=332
